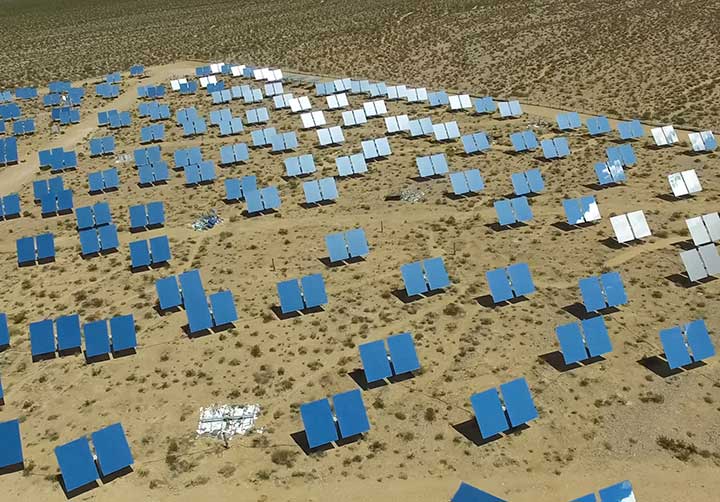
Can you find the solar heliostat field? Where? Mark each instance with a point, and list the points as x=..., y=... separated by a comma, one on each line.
x=429, y=293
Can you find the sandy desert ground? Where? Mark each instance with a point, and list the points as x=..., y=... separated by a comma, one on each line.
x=625, y=58
x=599, y=424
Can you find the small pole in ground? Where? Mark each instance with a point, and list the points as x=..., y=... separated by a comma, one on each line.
x=273, y=264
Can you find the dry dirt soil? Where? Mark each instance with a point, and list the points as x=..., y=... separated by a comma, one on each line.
x=643, y=58
x=612, y=420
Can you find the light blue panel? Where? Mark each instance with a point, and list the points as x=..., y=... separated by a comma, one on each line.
x=291, y=141
x=108, y=237
x=520, y=279
x=4, y=331
x=319, y=423
x=468, y=493
x=64, y=200
x=699, y=340
x=313, y=288
x=563, y=121
x=11, y=453
x=223, y=308
x=312, y=192
x=518, y=142
x=328, y=188
x=192, y=175
x=270, y=195
x=518, y=402
x=48, y=204
x=45, y=245
x=351, y=415
x=138, y=217
x=602, y=171
x=76, y=463
x=96, y=147
x=227, y=155
x=586, y=202
x=357, y=242
x=571, y=343
x=592, y=294
x=674, y=347
x=531, y=141
x=55, y=185
x=613, y=154
x=459, y=183
x=500, y=288
x=587, y=498
x=337, y=248
x=412, y=274
x=45, y=159
x=101, y=210
x=344, y=166
x=375, y=361
x=439, y=163
x=616, y=172
x=291, y=299
x=168, y=292
x=710, y=144
x=369, y=149
x=628, y=155
x=89, y=243
x=160, y=171
x=521, y=208
x=621, y=492
x=84, y=216
x=68, y=332
x=475, y=181
x=415, y=129
x=160, y=249
x=232, y=189
x=505, y=212
x=596, y=336
x=292, y=166
x=625, y=131
x=549, y=150
x=403, y=354
x=242, y=154
x=11, y=205
x=535, y=180
x=436, y=274
x=562, y=146
x=42, y=337
x=112, y=449
x=424, y=166
x=637, y=129
x=489, y=413
x=469, y=145
x=574, y=120
x=482, y=141
x=97, y=338
x=139, y=254
x=155, y=213
x=123, y=334
x=111, y=178
x=520, y=183
x=198, y=314
x=254, y=201
x=614, y=289
x=573, y=212
x=207, y=170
